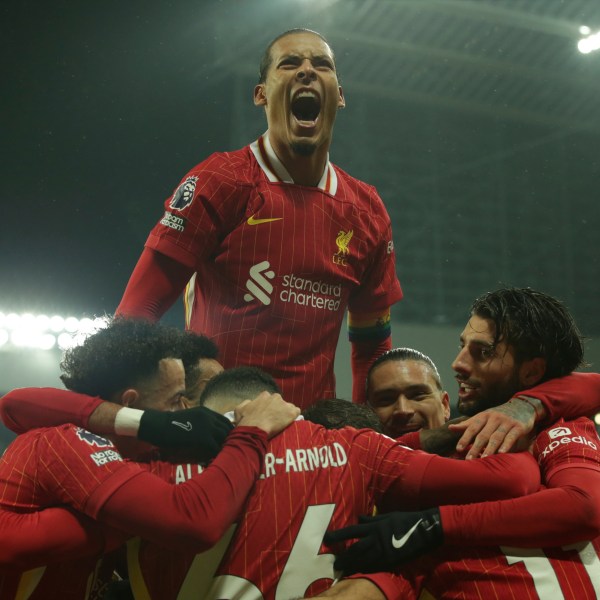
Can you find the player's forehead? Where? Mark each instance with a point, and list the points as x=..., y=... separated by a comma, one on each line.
x=478, y=330
x=303, y=44
x=400, y=374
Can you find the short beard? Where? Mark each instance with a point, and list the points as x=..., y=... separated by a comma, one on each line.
x=303, y=148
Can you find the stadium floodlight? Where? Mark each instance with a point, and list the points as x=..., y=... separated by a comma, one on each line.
x=57, y=323
x=590, y=43
x=45, y=333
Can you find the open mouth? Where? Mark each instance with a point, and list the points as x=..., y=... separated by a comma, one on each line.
x=306, y=107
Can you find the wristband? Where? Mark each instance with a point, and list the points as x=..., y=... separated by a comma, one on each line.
x=127, y=421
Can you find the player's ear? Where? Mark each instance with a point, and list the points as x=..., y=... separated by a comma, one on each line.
x=260, y=97
x=532, y=371
x=341, y=100
x=130, y=397
x=446, y=405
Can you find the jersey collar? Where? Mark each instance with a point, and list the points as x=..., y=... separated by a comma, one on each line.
x=275, y=171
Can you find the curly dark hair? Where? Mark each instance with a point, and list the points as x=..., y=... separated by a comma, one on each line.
x=122, y=355
x=535, y=325
x=335, y=413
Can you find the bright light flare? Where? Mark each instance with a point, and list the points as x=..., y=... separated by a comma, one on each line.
x=590, y=43
x=45, y=333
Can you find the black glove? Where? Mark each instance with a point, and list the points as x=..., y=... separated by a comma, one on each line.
x=386, y=541
x=200, y=429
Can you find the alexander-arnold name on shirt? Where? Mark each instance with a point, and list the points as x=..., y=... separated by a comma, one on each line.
x=297, y=460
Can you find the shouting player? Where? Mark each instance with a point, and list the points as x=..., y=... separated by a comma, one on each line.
x=277, y=242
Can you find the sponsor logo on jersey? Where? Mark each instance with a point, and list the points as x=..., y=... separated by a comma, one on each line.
x=104, y=457
x=294, y=290
x=342, y=241
x=558, y=441
x=92, y=439
x=558, y=432
x=253, y=221
x=300, y=460
x=258, y=284
x=170, y=220
x=184, y=194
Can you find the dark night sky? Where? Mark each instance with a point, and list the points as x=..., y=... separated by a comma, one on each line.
x=105, y=106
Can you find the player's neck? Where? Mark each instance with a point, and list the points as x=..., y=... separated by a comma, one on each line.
x=304, y=170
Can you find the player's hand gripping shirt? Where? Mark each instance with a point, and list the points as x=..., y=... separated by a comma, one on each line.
x=277, y=264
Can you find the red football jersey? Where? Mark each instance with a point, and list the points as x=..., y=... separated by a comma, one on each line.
x=70, y=466
x=565, y=571
x=277, y=264
x=568, y=397
x=312, y=480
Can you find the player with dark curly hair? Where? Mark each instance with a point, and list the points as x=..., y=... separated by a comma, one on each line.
x=132, y=364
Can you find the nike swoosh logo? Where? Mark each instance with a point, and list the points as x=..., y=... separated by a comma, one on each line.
x=253, y=221
x=398, y=543
x=185, y=426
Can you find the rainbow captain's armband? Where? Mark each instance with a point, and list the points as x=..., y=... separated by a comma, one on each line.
x=374, y=326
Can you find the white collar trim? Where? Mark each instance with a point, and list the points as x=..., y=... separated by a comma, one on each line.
x=275, y=171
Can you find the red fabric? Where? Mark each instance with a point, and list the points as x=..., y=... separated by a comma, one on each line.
x=314, y=480
x=450, y=481
x=59, y=535
x=534, y=521
x=272, y=284
x=566, y=513
x=412, y=440
x=27, y=408
x=474, y=573
x=70, y=466
x=156, y=282
x=363, y=355
x=568, y=397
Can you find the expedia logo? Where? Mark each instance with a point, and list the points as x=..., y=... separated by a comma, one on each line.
x=258, y=284
x=558, y=432
x=184, y=194
x=342, y=241
x=556, y=443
